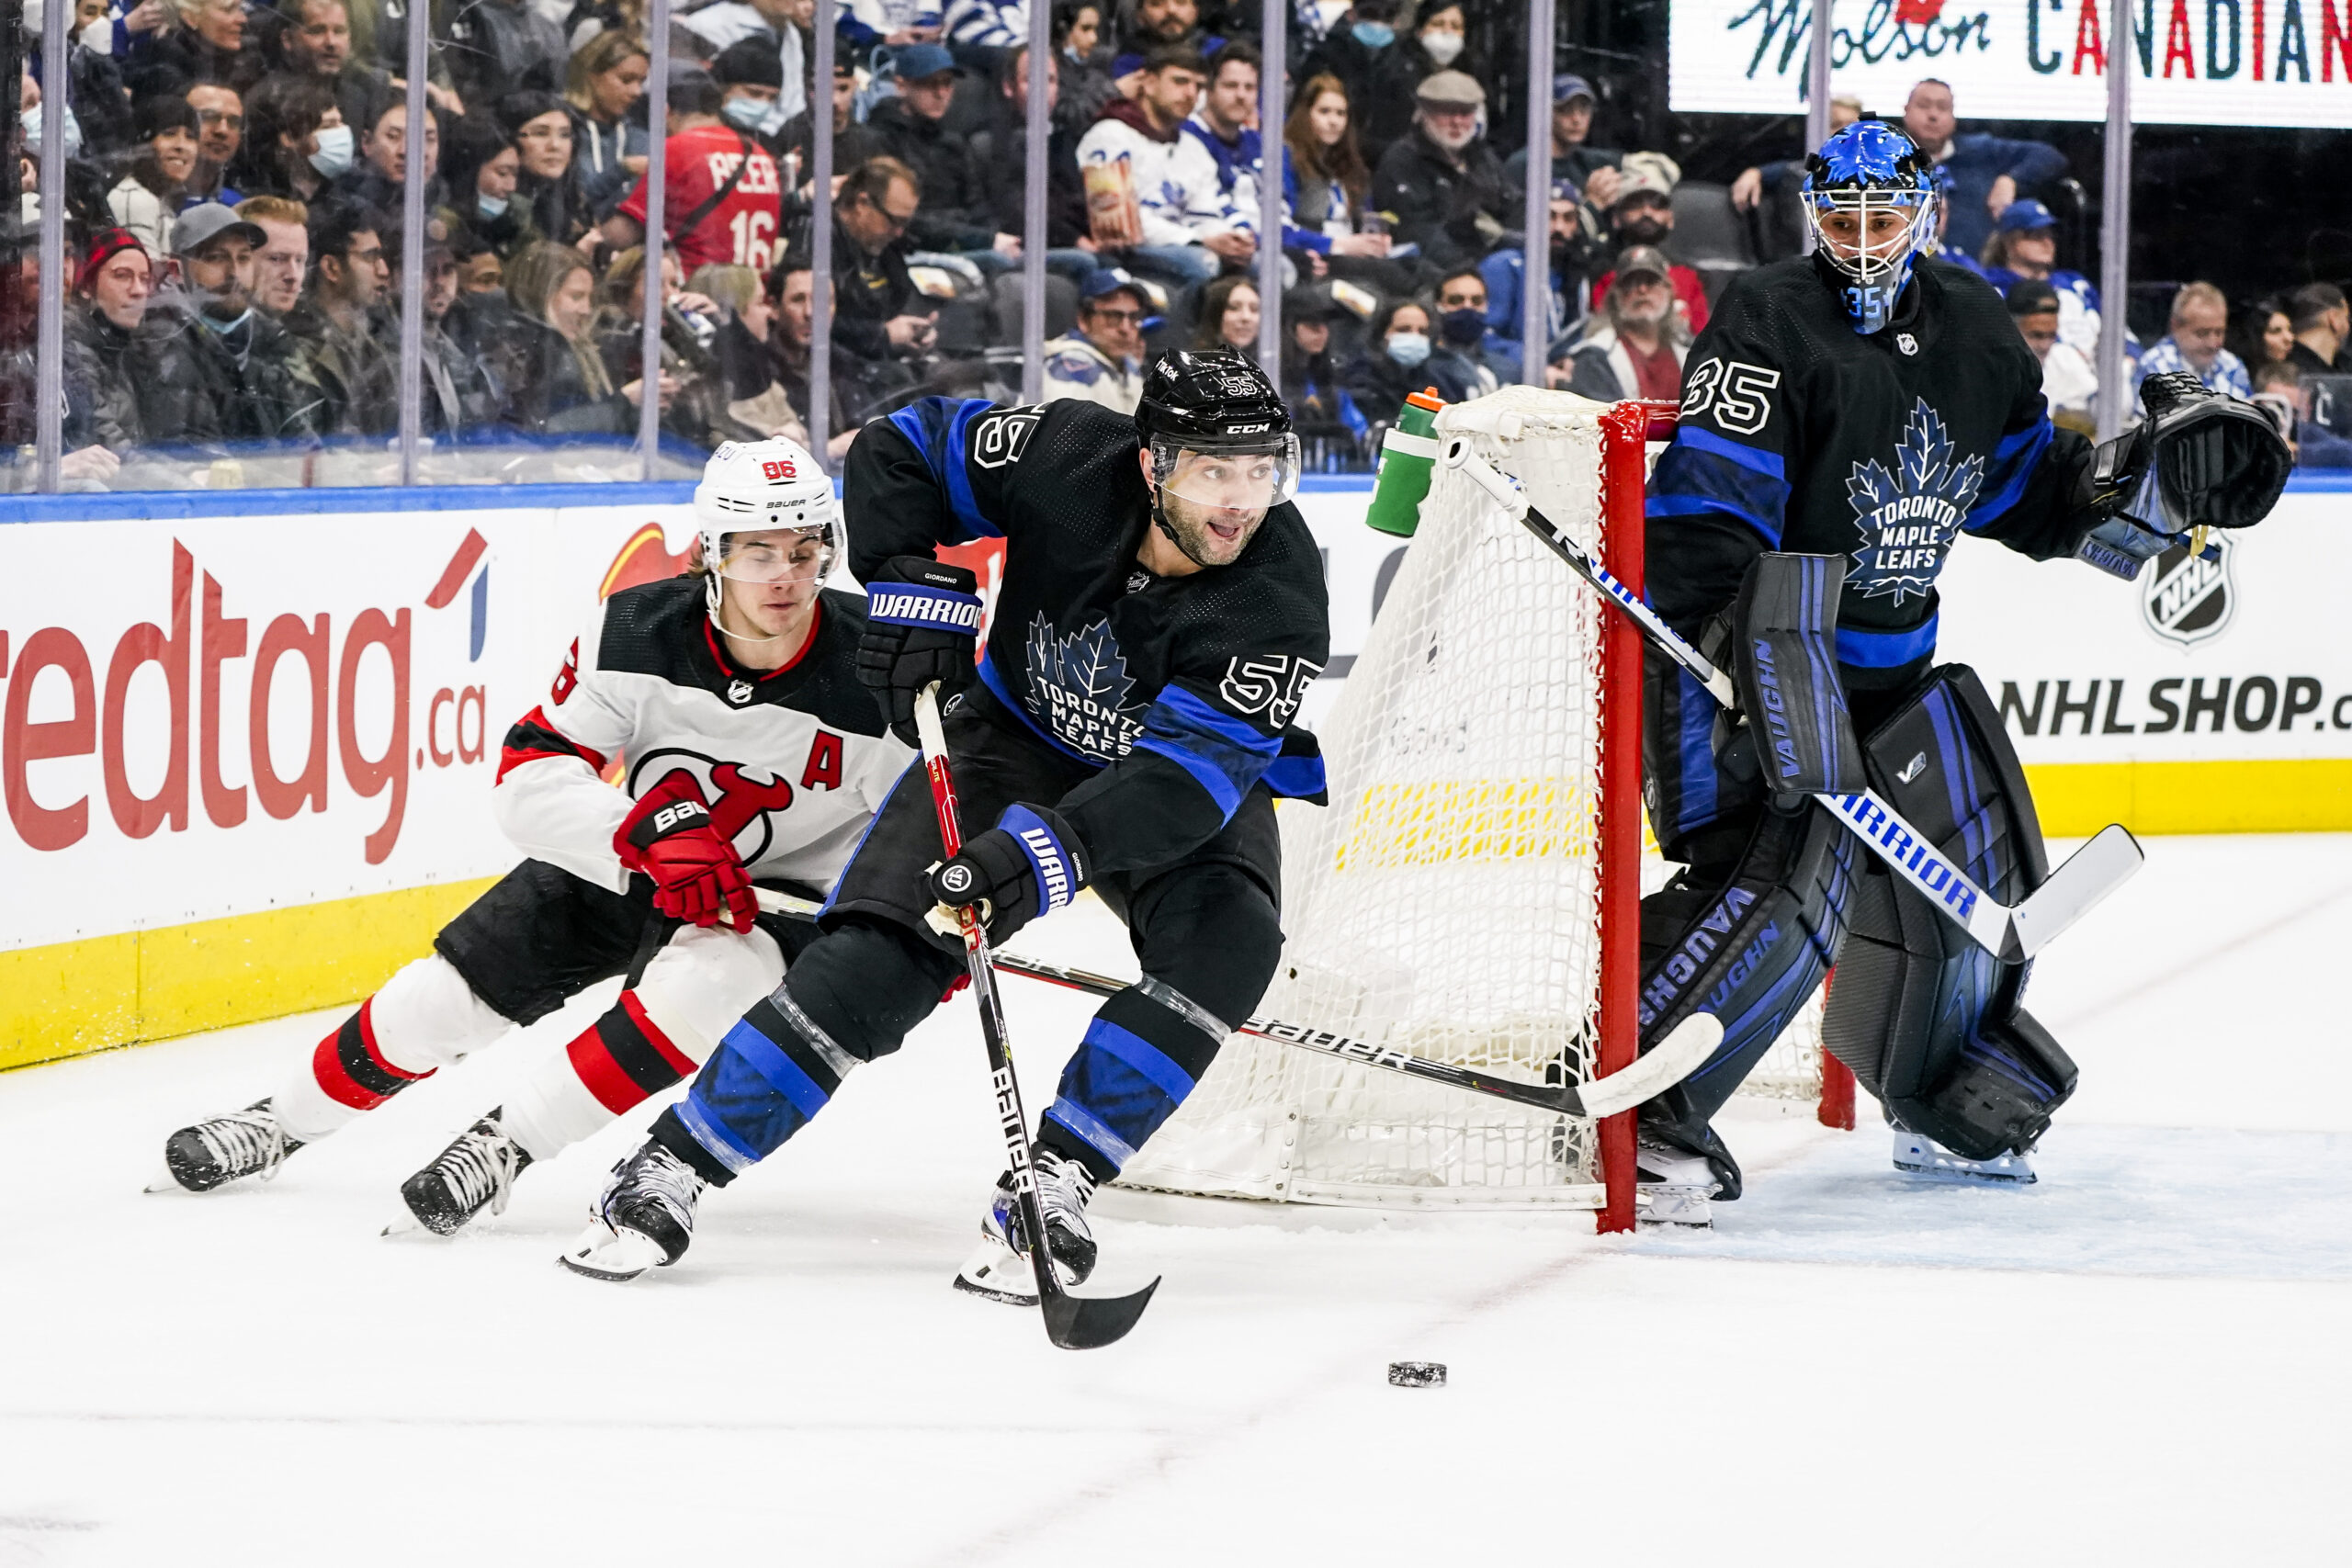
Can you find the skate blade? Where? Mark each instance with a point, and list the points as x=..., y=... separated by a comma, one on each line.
x=997, y=1273
x=164, y=1182
x=616, y=1257
x=2007, y=1172
x=403, y=1224
x=1680, y=1208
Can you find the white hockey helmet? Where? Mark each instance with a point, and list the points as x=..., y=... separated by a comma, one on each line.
x=752, y=486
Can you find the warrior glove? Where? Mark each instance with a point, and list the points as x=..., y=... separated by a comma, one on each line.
x=1030, y=864
x=2198, y=459
x=697, y=876
x=922, y=624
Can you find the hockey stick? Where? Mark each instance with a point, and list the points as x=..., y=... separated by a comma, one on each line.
x=1073, y=1322
x=1675, y=1057
x=2012, y=935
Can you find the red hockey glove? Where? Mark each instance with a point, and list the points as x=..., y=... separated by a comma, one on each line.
x=697, y=876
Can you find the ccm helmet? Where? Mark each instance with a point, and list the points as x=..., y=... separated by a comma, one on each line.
x=1218, y=403
x=1870, y=168
x=751, y=486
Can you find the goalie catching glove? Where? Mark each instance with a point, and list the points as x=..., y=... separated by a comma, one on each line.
x=1029, y=864
x=923, y=626
x=2199, y=460
x=697, y=876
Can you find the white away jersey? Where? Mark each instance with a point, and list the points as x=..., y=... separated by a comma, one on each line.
x=792, y=762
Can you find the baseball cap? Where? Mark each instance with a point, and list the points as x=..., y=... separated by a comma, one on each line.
x=918, y=62
x=1642, y=261
x=1105, y=281
x=1647, y=174
x=1452, y=87
x=2024, y=215
x=1566, y=88
x=207, y=221
x=2031, y=297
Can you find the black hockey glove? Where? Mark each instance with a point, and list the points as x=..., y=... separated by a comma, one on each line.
x=923, y=624
x=2198, y=459
x=1029, y=864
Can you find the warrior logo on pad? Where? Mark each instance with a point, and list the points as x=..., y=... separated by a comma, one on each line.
x=1908, y=517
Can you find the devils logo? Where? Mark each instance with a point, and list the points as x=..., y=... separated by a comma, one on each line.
x=1908, y=517
x=739, y=807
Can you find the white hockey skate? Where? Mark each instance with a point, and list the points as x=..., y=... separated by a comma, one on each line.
x=645, y=1219
x=1672, y=1186
x=251, y=1142
x=1000, y=1269
x=1924, y=1159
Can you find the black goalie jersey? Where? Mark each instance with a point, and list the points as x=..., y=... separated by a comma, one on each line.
x=1799, y=433
x=1179, y=687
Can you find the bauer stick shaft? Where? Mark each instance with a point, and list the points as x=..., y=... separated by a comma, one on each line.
x=2011, y=934
x=1677, y=1057
x=1073, y=1322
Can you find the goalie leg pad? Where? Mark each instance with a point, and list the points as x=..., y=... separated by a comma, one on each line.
x=1784, y=662
x=1929, y=1021
x=1749, y=948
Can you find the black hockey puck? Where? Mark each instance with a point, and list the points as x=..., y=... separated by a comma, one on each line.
x=1417, y=1374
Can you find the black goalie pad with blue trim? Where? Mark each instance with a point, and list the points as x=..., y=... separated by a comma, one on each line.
x=1784, y=663
x=1749, y=949
x=1929, y=1021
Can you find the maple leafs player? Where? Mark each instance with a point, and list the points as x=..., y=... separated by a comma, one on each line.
x=1162, y=613
x=753, y=755
x=1848, y=415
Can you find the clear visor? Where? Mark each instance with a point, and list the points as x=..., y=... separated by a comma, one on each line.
x=1228, y=482
x=1868, y=233
x=774, y=555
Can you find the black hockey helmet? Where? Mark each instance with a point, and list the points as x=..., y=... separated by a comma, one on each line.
x=1214, y=399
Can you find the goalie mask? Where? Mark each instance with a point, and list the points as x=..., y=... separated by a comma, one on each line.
x=751, y=489
x=1870, y=204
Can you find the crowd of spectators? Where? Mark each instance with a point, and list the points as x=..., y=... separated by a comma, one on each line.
x=237, y=177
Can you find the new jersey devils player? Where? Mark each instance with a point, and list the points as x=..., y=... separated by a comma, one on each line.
x=750, y=754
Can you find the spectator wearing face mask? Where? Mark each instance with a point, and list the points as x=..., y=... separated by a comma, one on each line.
x=956, y=214
x=720, y=199
x=2068, y=382
x=101, y=117
x=152, y=191
x=483, y=169
x=1393, y=362
x=296, y=141
x=1361, y=51
x=1592, y=170
x=1636, y=345
x=1443, y=183
x=107, y=349
x=783, y=24
x=1642, y=214
x=226, y=372
x=750, y=80
x=1462, y=366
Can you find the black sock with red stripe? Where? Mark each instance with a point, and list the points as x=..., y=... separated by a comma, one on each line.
x=352, y=1071
x=624, y=1056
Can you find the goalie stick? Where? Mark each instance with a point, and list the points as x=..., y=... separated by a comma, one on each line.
x=2010, y=935
x=1675, y=1058
x=1072, y=1323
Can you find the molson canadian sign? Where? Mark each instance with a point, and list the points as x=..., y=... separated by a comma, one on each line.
x=2275, y=63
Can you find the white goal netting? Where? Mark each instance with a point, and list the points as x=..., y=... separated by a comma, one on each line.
x=1446, y=902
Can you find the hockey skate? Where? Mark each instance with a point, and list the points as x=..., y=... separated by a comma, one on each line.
x=251, y=1142
x=1922, y=1158
x=476, y=1172
x=1000, y=1269
x=645, y=1219
x=1672, y=1186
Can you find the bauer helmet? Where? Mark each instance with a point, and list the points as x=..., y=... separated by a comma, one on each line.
x=1869, y=169
x=1219, y=403
x=750, y=487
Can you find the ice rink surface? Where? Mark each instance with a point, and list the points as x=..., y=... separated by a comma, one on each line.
x=2140, y=1360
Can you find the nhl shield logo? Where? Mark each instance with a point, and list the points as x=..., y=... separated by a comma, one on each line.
x=739, y=691
x=2186, y=600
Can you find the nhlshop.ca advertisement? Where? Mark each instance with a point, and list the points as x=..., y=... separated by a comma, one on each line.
x=203, y=717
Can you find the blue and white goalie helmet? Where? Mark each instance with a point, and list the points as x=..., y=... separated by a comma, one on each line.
x=751, y=487
x=1877, y=191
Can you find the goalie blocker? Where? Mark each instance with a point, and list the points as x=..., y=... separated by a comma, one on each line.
x=1776, y=891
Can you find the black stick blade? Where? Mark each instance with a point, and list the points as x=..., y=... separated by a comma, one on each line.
x=1088, y=1322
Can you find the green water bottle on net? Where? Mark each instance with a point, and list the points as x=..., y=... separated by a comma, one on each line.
x=1407, y=458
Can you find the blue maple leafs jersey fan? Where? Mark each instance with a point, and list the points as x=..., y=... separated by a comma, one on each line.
x=1186, y=685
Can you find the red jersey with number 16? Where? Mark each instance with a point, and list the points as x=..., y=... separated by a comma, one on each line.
x=740, y=229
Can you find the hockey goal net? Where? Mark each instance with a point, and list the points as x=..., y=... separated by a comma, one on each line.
x=1470, y=893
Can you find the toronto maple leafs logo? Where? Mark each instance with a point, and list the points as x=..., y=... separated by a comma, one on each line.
x=1077, y=684
x=1909, y=517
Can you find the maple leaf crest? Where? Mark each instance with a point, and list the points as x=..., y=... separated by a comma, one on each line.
x=1909, y=515
x=1079, y=686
